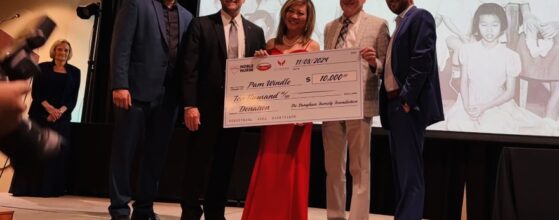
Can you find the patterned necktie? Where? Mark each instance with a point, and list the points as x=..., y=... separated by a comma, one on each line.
x=233, y=49
x=343, y=34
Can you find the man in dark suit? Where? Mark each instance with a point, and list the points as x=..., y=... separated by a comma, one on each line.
x=410, y=100
x=210, y=41
x=146, y=38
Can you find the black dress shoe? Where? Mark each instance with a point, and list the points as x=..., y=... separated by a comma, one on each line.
x=121, y=217
x=151, y=216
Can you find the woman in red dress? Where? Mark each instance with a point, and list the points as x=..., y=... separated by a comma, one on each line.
x=279, y=184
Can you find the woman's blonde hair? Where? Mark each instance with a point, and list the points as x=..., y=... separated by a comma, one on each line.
x=309, y=25
x=58, y=42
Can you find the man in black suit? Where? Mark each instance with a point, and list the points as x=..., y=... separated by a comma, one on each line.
x=410, y=100
x=210, y=41
x=146, y=38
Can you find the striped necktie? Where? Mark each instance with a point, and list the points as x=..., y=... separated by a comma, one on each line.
x=343, y=33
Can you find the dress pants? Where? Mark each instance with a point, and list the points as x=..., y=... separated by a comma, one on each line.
x=152, y=123
x=337, y=137
x=209, y=163
x=407, y=131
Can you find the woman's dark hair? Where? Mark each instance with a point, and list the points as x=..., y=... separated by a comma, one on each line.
x=309, y=26
x=489, y=9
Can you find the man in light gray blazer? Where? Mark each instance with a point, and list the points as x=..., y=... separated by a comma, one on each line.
x=354, y=29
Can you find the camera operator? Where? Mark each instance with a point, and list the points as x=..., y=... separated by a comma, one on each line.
x=11, y=104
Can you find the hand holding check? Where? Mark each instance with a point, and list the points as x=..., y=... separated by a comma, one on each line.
x=261, y=53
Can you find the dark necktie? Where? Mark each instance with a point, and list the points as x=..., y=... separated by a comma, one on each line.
x=343, y=33
x=233, y=49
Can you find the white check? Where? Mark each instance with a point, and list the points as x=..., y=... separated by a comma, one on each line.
x=294, y=88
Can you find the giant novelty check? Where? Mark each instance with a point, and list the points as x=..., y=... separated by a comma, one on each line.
x=294, y=88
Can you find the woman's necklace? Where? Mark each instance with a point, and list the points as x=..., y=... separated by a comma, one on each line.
x=291, y=43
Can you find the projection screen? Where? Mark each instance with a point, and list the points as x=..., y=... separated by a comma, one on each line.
x=513, y=87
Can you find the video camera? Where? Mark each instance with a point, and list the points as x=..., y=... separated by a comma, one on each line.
x=28, y=142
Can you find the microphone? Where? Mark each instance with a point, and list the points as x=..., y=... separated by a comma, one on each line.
x=10, y=18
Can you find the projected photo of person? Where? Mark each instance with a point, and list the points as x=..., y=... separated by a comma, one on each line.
x=264, y=14
x=539, y=51
x=489, y=72
x=263, y=19
x=454, y=25
x=456, y=16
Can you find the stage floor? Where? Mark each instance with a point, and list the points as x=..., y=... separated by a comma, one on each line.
x=89, y=208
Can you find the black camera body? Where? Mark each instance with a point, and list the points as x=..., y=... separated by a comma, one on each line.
x=28, y=142
x=16, y=62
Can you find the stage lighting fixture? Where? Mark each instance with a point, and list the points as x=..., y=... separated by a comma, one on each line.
x=85, y=12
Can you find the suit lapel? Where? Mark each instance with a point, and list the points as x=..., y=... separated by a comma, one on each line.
x=181, y=25
x=247, y=29
x=361, y=28
x=219, y=32
x=395, y=43
x=335, y=31
x=160, y=20
x=404, y=22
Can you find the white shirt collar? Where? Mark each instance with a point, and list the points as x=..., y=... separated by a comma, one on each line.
x=353, y=18
x=403, y=14
x=226, y=18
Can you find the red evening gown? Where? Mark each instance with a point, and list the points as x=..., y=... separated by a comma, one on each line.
x=279, y=185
